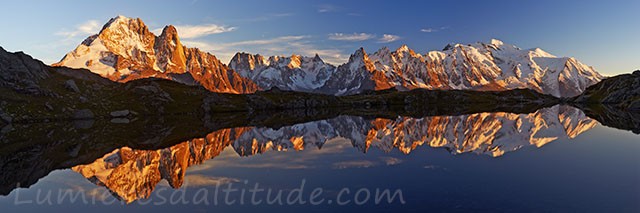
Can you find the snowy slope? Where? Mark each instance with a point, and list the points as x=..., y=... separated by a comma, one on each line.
x=126, y=50
x=485, y=66
x=479, y=66
x=297, y=73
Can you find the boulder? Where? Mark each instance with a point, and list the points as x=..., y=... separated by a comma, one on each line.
x=71, y=86
x=5, y=118
x=120, y=113
x=83, y=114
x=48, y=106
x=6, y=129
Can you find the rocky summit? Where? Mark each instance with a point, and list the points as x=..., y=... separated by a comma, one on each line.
x=125, y=49
x=20, y=72
x=491, y=66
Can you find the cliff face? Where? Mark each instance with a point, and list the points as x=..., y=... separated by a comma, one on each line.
x=126, y=50
x=614, y=101
x=622, y=91
x=21, y=73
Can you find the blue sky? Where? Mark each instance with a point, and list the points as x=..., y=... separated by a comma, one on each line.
x=603, y=34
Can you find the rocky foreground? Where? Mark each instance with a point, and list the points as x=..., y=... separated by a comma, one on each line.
x=621, y=91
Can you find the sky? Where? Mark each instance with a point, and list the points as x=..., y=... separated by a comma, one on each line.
x=602, y=34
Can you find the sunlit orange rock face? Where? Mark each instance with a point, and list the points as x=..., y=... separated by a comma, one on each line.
x=125, y=50
x=357, y=75
x=168, y=44
x=134, y=174
x=453, y=69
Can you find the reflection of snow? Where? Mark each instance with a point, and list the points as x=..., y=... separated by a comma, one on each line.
x=133, y=174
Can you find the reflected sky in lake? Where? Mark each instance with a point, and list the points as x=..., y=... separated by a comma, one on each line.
x=555, y=159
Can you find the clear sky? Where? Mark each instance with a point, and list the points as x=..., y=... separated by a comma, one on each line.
x=603, y=34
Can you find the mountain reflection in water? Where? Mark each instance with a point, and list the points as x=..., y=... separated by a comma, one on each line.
x=132, y=174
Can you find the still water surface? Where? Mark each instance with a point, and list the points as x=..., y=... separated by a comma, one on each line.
x=556, y=159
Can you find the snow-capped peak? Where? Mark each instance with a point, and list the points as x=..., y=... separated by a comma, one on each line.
x=359, y=54
x=317, y=58
x=121, y=17
x=121, y=20
x=383, y=51
x=403, y=48
x=537, y=52
x=496, y=42
x=125, y=47
x=449, y=46
x=294, y=62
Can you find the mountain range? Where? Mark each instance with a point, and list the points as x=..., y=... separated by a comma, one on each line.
x=125, y=49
